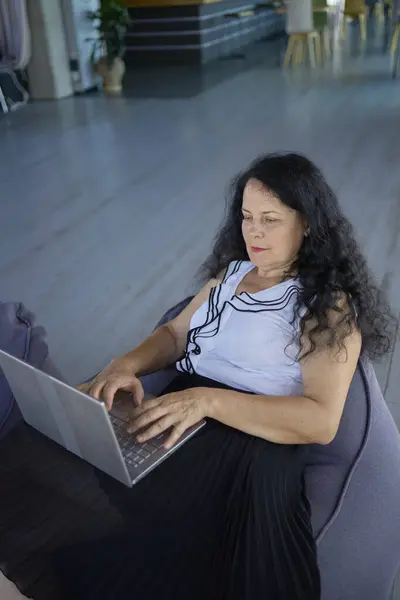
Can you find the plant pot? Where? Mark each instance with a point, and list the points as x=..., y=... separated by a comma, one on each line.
x=111, y=73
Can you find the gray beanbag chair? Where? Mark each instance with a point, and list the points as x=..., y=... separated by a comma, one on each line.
x=353, y=485
x=21, y=337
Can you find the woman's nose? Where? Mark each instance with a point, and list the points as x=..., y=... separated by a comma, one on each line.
x=256, y=231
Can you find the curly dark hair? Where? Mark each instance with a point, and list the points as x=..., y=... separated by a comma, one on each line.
x=329, y=265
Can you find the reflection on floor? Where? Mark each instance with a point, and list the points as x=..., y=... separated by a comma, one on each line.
x=188, y=81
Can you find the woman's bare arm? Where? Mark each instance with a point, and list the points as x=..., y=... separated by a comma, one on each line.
x=312, y=417
x=167, y=344
x=160, y=350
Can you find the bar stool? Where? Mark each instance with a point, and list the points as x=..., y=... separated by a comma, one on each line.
x=396, y=58
x=388, y=8
x=321, y=24
x=355, y=9
x=302, y=35
x=379, y=11
x=396, y=28
x=395, y=38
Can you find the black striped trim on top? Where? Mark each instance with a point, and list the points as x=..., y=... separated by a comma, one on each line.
x=232, y=269
x=212, y=313
x=245, y=302
x=266, y=305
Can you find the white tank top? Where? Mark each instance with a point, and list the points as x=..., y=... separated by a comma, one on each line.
x=246, y=340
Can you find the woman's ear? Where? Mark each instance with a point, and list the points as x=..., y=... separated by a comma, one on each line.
x=306, y=228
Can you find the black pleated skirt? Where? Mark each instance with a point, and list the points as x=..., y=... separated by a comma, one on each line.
x=224, y=518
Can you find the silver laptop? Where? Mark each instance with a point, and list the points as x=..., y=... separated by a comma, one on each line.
x=82, y=425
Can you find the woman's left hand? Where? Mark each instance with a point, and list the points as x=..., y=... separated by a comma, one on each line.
x=179, y=411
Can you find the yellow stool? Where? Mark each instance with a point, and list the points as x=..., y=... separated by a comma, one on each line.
x=326, y=41
x=362, y=18
x=297, y=49
x=395, y=38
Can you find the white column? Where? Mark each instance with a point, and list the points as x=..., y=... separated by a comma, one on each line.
x=48, y=70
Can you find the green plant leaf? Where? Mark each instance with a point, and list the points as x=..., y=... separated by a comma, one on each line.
x=111, y=22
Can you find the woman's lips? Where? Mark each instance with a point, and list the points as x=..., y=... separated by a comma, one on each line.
x=255, y=249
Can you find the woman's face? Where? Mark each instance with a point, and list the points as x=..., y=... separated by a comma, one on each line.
x=272, y=231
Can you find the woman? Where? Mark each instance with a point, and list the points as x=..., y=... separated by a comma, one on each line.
x=268, y=349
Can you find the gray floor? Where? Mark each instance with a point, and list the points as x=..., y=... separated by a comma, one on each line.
x=108, y=206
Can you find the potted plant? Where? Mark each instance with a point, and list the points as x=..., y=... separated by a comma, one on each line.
x=111, y=22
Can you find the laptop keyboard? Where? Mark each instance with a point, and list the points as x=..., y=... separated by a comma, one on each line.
x=135, y=454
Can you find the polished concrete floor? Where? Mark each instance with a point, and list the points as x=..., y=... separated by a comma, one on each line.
x=109, y=205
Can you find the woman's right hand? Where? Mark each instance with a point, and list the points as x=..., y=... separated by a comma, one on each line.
x=118, y=375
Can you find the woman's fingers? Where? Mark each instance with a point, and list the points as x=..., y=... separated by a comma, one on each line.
x=157, y=428
x=177, y=432
x=84, y=387
x=137, y=392
x=106, y=388
x=109, y=391
x=145, y=407
x=147, y=418
x=96, y=388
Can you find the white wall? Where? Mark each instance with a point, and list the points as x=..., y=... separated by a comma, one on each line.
x=49, y=73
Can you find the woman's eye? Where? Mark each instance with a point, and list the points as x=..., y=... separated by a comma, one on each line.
x=250, y=218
